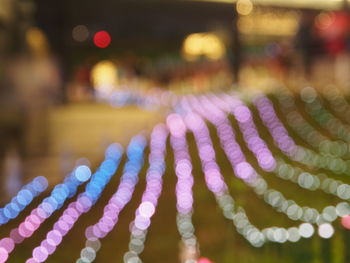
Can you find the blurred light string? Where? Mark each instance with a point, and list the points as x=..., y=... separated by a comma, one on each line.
x=288, y=146
x=253, y=179
x=307, y=132
x=87, y=199
x=47, y=207
x=245, y=171
x=219, y=188
x=309, y=182
x=148, y=205
x=312, y=182
x=116, y=203
x=279, y=132
x=268, y=163
x=324, y=118
x=338, y=102
x=23, y=198
x=184, y=185
x=306, y=181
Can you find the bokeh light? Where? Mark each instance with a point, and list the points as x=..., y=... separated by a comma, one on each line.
x=102, y=39
x=325, y=230
x=244, y=7
x=208, y=45
x=104, y=76
x=80, y=33
x=345, y=221
x=23, y=198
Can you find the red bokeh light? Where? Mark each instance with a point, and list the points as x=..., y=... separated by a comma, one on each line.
x=102, y=39
x=204, y=260
x=345, y=221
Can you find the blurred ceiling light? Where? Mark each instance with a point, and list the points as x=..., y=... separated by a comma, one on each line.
x=104, y=76
x=244, y=7
x=314, y=4
x=80, y=33
x=208, y=45
x=260, y=22
x=102, y=39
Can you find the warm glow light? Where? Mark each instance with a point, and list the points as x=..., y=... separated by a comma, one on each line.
x=102, y=39
x=244, y=7
x=104, y=76
x=37, y=41
x=261, y=22
x=203, y=44
x=324, y=20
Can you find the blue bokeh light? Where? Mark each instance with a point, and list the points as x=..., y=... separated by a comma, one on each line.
x=83, y=173
x=23, y=198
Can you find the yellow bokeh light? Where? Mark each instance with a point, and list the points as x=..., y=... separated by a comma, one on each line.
x=244, y=7
x=36, y=41
x=203, y=44
x=104, y=76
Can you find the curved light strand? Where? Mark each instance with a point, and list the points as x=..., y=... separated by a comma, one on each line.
x=184, y=185
x=148, y=205
x=46, y=208
x=83, y=204
x=23, y=198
